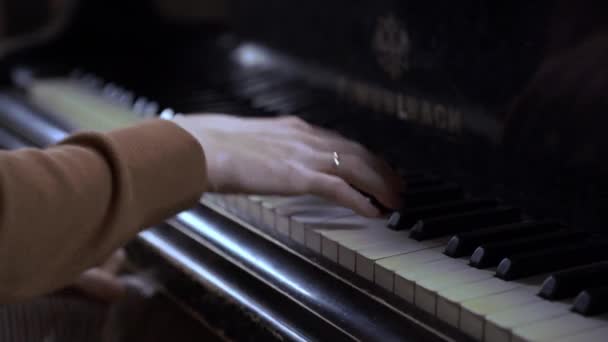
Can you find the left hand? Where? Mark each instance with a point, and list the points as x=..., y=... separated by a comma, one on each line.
x=102, y=282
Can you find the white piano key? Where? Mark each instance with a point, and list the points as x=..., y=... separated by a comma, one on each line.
x=473, y=312
x=591, y=335
x=349, y=244
x=355, y=228
x=230, y=203
x=301, y=220
x=449, y=300
x=425, y=294
x=498, y=326
x=219, y=200
x=255, y=204
x=209, y=198
x=241, y=207
x=564, y=325
x=405, y=280
x=266, y=214
x=256, y=208
x=384, y=269
x=367, y=257
x=305, y=206
x=313, y=234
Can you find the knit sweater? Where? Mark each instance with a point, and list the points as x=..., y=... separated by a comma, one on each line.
x=65, y=208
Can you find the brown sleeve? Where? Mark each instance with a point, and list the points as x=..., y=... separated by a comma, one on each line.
x=64, y=209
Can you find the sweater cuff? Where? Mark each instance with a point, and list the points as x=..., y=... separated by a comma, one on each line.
x=168, y=166
x=162, y=164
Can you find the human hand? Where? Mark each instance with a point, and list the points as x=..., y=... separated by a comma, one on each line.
x=287, y=156
x=102, y=282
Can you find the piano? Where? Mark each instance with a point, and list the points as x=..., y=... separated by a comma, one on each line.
x=493, y=113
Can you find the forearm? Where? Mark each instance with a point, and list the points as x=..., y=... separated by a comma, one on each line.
x=66, y=208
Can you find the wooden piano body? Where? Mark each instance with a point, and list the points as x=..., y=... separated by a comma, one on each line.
x=493, y=112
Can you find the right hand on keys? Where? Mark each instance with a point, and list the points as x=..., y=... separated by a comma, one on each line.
x=287, y=156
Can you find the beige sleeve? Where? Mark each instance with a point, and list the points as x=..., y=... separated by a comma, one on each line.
x=64, y=209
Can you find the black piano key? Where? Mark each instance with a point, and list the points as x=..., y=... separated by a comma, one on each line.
x=408, y=174
x=464, y=244
x=406, y=218
x=432, y=194
x=421, y=182
x=452, y=224
x=591, y=302
x=551, y=259
x=490, y=254
x=568, y=283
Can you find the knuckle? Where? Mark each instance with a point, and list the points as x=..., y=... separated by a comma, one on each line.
x=296, y=122
x=356, y=161
x=337, y=184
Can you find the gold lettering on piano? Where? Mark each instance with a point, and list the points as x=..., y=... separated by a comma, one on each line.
x=401, y=108
x=455, y=120
x=441, y=116
x=390, y=101
x=412, y=107
x=361, y=93
x=376, y=98
x=405, y=107
x=426, y=113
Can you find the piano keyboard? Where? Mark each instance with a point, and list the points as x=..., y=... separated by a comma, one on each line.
x=476, y=264
x=470, y=299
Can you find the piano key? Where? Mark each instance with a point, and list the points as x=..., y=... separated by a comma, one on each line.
x=446, y=225
x=423, y=181
x=242, y=207
x=592, y=301
x=346, y=243
x=352, y=231
x=209, y=197
x=230, y=202
x=405, y=279
x=384, y=269
x=216, y=199
x=570, y=282
x=303, y=217
x=564, y=325
x=449, y=301
x=425, y=295
x=253, y=208
x=473, y=312
x=268, y=213
x=408, y=174
x=463, y=244
x=589, y=335
x=491, y=254
x=499, y=326
x=432, y=194
x=551, y=259
x=408, y=217
x=264, y=211
x=367, y=257
x=314, y=233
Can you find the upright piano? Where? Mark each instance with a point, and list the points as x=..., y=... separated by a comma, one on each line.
x=494, y=113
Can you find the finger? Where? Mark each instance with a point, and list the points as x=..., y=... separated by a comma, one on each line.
x=359, y=174
x=338, y=191
x=100, y=284
x=114, y=262
x=337, y=143
x=329, y=144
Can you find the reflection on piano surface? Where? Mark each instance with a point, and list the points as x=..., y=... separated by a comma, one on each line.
x=493, y=113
